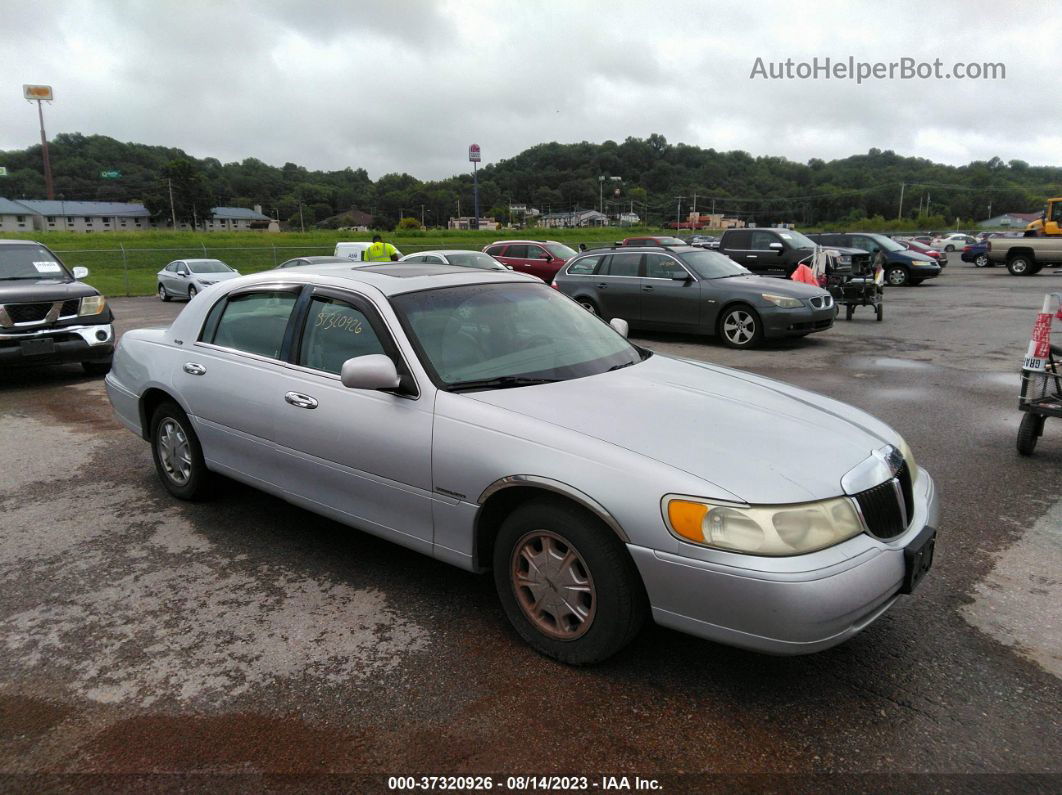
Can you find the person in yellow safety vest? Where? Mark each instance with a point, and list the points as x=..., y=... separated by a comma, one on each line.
x=379, y=251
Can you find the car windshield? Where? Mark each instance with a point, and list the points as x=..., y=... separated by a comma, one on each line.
x=796, y=239
x=560, y=250
x=886, y=243
x=30, y=262
x=209, y=266
x=474, y=259
x=712, y=264
x=483, y=336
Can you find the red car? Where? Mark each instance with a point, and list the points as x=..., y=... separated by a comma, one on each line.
x=541, y=258
x=922, y=248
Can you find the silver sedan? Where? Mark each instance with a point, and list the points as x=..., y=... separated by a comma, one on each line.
x=457, y=257
x=487, y=420
x=186, y=278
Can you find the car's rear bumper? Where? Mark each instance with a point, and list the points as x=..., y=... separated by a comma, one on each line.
x=85, y=343
x=778, y=322
x=783, y=605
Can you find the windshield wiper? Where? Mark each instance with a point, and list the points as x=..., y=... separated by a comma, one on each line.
x=504, y=382
x=621, y=366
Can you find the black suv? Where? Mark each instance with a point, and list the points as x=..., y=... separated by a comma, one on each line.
x=777, y=252
x=902, y=266
x=47, y=316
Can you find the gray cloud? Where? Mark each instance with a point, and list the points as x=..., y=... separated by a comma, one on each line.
x=406, y=86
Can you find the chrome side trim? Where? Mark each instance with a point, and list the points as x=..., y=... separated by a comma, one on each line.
x=557, y=487
x=879, y=467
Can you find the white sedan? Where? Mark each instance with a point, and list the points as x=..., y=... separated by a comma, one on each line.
x=953, y=242
x=458, y=257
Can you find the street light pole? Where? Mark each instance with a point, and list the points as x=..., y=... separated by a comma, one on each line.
x=899, y=215
x=678, y=211
x=44, y=150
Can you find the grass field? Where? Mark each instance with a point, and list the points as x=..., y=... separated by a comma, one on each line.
x=125, y=263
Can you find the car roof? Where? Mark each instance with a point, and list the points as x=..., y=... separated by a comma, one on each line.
x=445, y=251
x=392, y=278
x=500, y=242
x=8, y=242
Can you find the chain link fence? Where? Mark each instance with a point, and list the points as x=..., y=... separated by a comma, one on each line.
x=127, y=271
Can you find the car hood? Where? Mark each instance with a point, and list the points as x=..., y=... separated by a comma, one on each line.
x=766, y=284
x=761, y=440
x=913, y=256
x=25, y=291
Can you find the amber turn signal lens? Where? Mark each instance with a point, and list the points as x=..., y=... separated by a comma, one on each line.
x=687, y=519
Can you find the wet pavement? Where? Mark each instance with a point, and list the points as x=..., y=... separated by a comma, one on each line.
x=244, y=635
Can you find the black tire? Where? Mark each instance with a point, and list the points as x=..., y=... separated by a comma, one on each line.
x=849, y=312
x=192, y=292
x=617, y=604
x=96, y=368
x=1031, y=428
x=949, y=248
x=981, y=261
x=749, y=327
x=589, y=305
x=199, y=482
x=1020, y=265
x=879, y=310
x=897, y=275
x=165, y=296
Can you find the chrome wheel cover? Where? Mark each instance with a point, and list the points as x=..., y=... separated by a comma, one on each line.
x=552, y=585
x=739, y=327
x=897, y=276
x=175, y=454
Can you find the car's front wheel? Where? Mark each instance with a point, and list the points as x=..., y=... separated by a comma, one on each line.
x=178, y=454
x=949, y=248
x=566, y=582
x=588, y=305
x=192, y=292
x=981, y=261
x=163, y=295
x=897, y=275
x=740, y=327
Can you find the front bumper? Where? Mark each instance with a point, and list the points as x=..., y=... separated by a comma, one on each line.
x=923, y=270
x=788, y=606
x=779, y=322
x=82, y=343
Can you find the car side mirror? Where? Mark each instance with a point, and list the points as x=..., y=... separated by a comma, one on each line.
x=621, y=326
x=681, y=277
x=374, y=371
x=777, y=247
x=80, y=272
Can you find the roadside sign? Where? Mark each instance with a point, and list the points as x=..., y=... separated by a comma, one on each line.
x=110, y=174
x=37, y=92
x=473, y=153
x=3, y=171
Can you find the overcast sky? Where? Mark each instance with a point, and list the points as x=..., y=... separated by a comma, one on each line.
x=406, y=85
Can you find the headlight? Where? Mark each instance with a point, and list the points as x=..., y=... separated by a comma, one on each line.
x=845, y=259
x=782, y=300
x=92, y=305
x=908, y=456
x=770, y=530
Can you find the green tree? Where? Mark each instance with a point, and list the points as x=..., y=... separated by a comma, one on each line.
x=192, y=197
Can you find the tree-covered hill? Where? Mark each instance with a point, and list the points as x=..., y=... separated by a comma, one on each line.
x=551, y=177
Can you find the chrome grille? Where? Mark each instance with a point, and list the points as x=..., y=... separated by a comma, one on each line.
x=888, y=508
x=28, y=313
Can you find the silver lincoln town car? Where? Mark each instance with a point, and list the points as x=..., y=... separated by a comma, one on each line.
x=489, y=421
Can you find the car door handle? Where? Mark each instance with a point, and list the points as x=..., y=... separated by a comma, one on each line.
x=194, y=369
x=300, y=400
x=647, y=288
x=750, y=256
x=602, y=285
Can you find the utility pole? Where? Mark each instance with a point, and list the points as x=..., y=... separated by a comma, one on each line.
x=173, y=212
x=899, y=215
x=302, y=226
x=422, y=216
x=678, y=211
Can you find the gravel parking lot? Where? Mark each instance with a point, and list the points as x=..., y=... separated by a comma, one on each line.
x=141, y=634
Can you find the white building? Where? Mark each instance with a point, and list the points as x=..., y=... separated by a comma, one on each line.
x=575, y=218
x=25, y=215
x=465, y=222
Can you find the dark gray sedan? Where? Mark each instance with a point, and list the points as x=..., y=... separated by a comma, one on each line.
x=691, y=290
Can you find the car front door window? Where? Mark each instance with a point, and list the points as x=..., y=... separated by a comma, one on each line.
x=335, y=332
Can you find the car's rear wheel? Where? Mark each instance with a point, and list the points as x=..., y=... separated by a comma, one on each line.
x=566, y=582
x=178, y=454
x=192, y=293
x=165, y=296
x=588, y=305
x=949, y=248
x=897, y=275
x=981, y=261
x=740, y=327
x=1020, y=265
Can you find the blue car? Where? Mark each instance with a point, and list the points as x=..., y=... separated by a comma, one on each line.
x=977, y=253
x=902, y=266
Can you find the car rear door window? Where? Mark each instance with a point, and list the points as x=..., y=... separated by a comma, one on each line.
x=254, y=323
x=517, y=252
x=738, y=241
x=496, y=251
x=584, y=267
x=335, y=331
x=624, y=264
